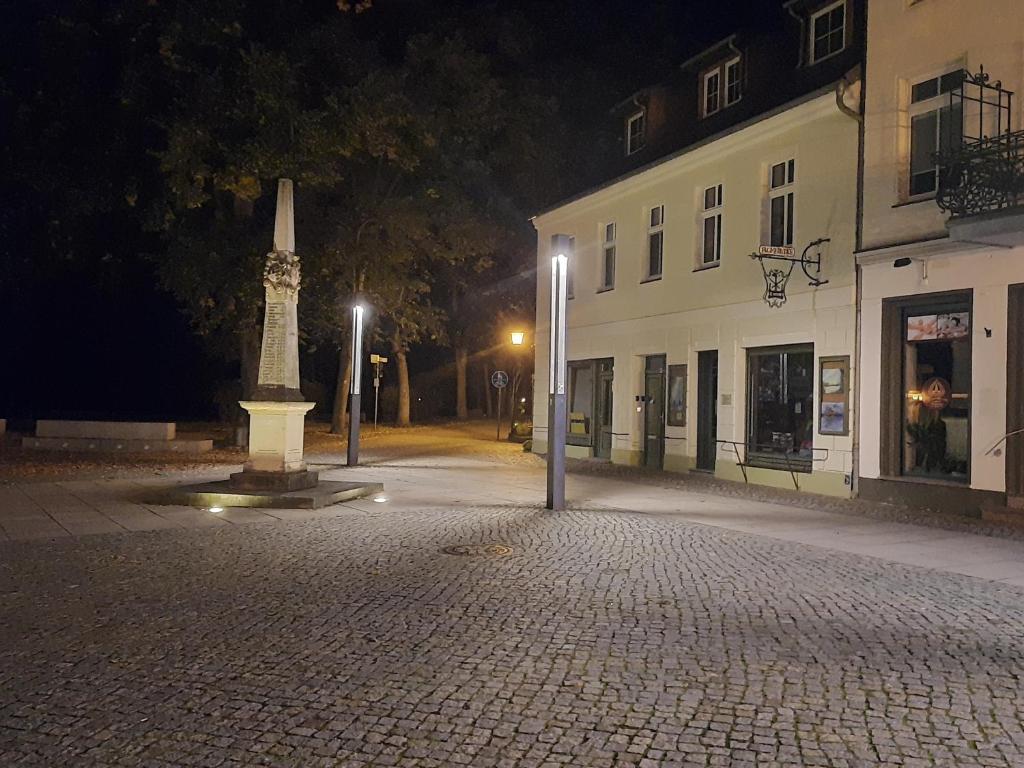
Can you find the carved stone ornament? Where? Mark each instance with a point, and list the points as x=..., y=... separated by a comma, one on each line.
x=281, y=272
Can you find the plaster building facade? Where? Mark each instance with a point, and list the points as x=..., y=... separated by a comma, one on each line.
x=684, y=352
x=941, y=255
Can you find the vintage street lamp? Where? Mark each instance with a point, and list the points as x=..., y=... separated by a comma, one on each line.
x=561, y=251
x=354, y=404
x=518, y=338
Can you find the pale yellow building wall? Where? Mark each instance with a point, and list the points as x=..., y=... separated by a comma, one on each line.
x=908, y=42
x=689, y=309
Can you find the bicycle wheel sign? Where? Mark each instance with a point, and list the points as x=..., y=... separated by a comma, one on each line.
x=499, y=379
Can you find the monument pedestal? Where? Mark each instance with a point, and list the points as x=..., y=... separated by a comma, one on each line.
x=275, y=448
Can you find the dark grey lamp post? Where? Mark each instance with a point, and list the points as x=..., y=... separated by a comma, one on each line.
x=354, y=397
x=560, y=250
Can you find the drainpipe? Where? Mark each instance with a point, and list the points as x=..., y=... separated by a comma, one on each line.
x=803, y=39
x=841, y=88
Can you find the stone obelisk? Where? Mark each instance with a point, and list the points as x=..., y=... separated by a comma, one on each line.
x=278, y=410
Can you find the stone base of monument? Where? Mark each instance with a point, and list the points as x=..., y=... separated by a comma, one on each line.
x=273, y=482
x=223, y=494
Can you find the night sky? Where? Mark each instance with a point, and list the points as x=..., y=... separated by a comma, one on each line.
x=80, y=339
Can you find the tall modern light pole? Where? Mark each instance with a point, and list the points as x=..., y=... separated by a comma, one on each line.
x=354, y=404
x=560, y=250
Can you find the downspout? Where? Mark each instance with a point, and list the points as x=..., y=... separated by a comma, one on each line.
x=841, y=88
x=803, y=39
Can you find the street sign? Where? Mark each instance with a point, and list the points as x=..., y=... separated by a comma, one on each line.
x=775, y=250
x=499, y=379
x=374, y=359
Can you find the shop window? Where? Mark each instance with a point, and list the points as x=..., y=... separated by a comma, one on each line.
x=780, y=419
x=581, y=402
x=937, y=392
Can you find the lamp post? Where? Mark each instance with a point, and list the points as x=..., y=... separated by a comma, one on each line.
x=561, y=251
x=518, y=339
x=354, y=385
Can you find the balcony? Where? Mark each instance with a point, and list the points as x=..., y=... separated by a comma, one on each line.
x=981, y=182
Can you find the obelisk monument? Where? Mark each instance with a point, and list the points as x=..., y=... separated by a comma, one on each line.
x=278, y=410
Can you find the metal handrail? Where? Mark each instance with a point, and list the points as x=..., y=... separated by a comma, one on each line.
x=1003, y=439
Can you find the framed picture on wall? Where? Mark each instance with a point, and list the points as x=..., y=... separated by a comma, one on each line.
x=677, y=395
x=834, y=395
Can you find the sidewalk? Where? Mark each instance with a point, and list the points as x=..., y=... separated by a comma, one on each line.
x=423, y=482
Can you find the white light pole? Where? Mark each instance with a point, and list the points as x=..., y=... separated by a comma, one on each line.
x=354, y=385
x=560, y=250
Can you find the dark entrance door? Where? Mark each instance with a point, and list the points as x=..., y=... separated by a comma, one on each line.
x=603, y=414
x=707, y=409
x=654, y=412
x=1015, y=395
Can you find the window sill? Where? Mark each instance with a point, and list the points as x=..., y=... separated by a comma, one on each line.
x=605, y=290
x=653, y=279
x=914, y=201
x=705, y=267
x=959, y=483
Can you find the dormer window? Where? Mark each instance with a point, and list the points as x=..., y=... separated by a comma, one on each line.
x=636, y=129
x=721, y=86
x=828, y=31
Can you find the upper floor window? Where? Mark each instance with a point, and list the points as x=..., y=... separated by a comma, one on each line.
x=711, y=226
x=781, y=181
x=828, y=31
x=608, y=257
x=655, y=242
x=636, y=129
x=936, y=123
x=721, y=86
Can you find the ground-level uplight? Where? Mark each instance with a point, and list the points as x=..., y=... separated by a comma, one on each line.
x=216, y=510
x=380, y=499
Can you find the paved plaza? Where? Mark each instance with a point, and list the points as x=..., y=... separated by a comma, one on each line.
x=645, y=626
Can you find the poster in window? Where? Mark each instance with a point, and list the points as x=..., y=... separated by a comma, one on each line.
x=834, y=395
x=677, y=395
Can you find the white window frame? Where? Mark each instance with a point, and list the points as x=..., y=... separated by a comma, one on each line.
x=716, y=72
x=721, y=92
x=706, y=213
x=733, y=63
x=608, y=245
x=786, y=191
x=655, y=229
x=932, y=104
x=812, y=37
x=640, y=117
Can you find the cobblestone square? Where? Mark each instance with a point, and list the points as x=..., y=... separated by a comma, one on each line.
x=604, y=637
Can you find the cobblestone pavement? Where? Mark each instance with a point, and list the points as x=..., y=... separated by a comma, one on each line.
x=603, y=639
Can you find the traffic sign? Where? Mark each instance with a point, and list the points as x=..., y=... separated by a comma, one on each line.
x=499, y=379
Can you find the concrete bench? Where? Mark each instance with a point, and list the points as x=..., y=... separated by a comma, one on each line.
x=114, y=430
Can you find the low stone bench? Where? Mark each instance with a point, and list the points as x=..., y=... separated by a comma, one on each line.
x=114, y=437
x=123, y=430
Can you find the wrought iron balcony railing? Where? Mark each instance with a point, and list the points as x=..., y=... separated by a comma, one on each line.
x=982, y=175
x=984, y=169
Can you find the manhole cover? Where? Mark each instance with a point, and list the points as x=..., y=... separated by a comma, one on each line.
x=478, y=550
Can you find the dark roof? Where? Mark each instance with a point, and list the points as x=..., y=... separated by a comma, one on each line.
x=774, y=72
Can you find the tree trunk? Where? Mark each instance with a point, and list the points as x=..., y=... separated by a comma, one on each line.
x=341, y=386
x=461, y=363
x=487, y=390
x=402, y=417
x=249, y=355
